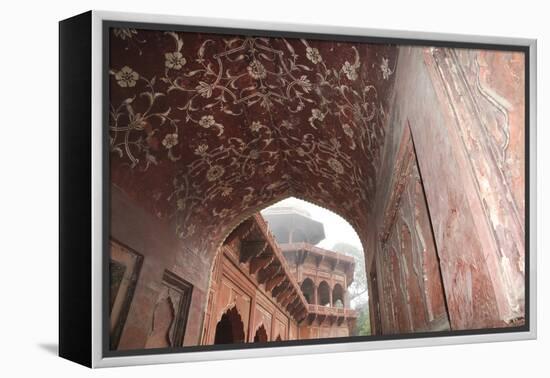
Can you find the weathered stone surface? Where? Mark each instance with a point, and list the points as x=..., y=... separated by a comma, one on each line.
x=465, y=112
x=433, y=183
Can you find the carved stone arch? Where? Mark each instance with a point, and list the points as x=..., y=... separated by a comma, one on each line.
x=308, y=290
x=212, y=253
x=361, y=232
x=338, y=296
x=261, y=336
x=323, y=293
x=164, y=315
x=230, y=328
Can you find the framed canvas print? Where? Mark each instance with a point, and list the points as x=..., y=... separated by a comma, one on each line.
x=233, y=189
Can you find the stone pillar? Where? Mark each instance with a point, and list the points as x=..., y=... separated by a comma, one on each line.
x=251, y=320
x=315, y=299
x=346, y=299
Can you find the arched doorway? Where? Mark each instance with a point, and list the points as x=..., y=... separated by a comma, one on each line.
x=338, y=296
x=308, y=290
x=324, y=294
x=261, y=335
x=230, y=328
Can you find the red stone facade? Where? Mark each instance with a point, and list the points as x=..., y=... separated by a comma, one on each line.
x=255, y=290
x=420, y=149
x=455, y=150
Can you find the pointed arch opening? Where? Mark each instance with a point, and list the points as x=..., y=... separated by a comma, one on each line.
x=261, y=335
x=308, y=289
x=338, y=296
x=324, y=294
x=230, y=328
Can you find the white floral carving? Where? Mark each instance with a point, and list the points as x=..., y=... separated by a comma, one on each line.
x=213, y=83
x=215, y=172
x=350, y=71
x=256, y=70
x=256, y=126
x=226, y=191
x=170, y=140
x=124, y=33
x=385, y=68
x=208, y=121
x=204, y=89
x=347, y=130
x=126, y=77
x=174, y=60
x=201, y=149
x=304, y=83
x=313, y=55
x=336, y=165
x=316, y=115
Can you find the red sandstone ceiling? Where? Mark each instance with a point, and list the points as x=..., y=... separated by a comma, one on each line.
x=207, y=129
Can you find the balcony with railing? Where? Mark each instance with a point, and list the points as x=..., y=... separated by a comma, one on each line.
x=332, y=311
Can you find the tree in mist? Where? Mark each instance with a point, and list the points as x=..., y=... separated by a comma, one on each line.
x=358, y=290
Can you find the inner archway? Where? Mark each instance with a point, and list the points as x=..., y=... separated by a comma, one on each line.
x=230, y=329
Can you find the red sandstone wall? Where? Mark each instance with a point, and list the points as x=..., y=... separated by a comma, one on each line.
x=231, y=286
x=406, y=260
x=155, y=240
x=465, y=111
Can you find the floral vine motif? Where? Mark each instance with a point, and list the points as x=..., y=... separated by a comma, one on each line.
x=351, y=69
x=385, y=68
x=127, y=126
x=229, y=90
x=124, y=33
x=243, y=160
x=126, y=77
x=130, y=35
x=246, y=119
x=289, y=84
x=174, y=60
x=208, y=121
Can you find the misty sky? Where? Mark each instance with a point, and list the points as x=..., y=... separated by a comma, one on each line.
x=336, y=228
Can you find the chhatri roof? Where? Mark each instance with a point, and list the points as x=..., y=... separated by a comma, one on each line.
x=295, y=218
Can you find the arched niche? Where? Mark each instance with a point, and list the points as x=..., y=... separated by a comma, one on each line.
x=323, y=293
x=261, y=335
x=230, y=328
x=338, y=296
x=308, y=289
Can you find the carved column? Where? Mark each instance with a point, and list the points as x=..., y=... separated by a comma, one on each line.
x=251, y=319
x=346, y=299
x=315, y=299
